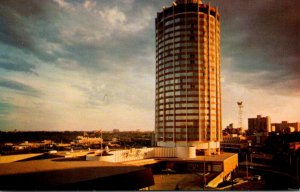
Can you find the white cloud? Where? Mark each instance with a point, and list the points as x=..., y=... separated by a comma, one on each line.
x=89, y=4
x=50, y=48
x=142, y=20
x=68, y=64
x=113, y=16
x=63, y=4
x=97, y=23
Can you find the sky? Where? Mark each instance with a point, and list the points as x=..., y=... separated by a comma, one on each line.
x=90, y=65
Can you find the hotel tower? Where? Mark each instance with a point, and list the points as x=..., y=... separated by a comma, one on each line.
x=188, y=89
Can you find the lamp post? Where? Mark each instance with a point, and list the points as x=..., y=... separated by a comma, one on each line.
x=249, y=149
x=247, y=165
x=101, y=142
x=204, y=172
x=297, y=171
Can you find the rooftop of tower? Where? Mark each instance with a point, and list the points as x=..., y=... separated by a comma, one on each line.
x=187, y=1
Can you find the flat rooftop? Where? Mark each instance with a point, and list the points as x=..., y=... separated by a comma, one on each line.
x=72, y=174
x=213, y=158
x=221, y=157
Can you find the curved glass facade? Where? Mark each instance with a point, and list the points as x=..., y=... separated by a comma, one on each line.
x=188, y=99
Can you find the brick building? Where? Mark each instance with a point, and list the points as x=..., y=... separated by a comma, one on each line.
x=259, y=124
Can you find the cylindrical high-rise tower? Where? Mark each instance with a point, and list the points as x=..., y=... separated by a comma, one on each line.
x=188, y=93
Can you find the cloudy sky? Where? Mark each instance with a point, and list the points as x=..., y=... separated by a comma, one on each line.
x=87, y=65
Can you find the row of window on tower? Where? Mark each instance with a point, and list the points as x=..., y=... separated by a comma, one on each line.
x=206, y=118
x=183, y=19
x=190, y=20
x=188, y=105
x=189, y=34
x=187, y=112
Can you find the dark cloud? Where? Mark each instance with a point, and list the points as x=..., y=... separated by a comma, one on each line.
x=24, y=67
x=6, y=108
x=117, y=53
x=259, y=36
x=121, y=45
x=26, y=23
x=25, y=89
x=14, y=16
x=15, y=64
x=29, y=25
x=262, y=38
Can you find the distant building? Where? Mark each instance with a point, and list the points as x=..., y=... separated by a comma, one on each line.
x=116, y=130
x=259, y=124
x=47, y=142
x=233, y=143
x=231, y=130
x=89, y=140
x=230, y=126
x=258, y=139
x=285, y=127
x=114, y=139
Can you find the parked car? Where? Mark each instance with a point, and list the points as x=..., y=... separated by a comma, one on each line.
x=238, y=180
x=256, y=177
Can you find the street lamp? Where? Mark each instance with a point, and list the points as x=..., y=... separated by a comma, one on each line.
x=101, y=142
x=297, y=171
x=204, y=172
x=247, y=165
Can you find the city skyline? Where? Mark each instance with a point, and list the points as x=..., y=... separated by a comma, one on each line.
x=87, y=65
